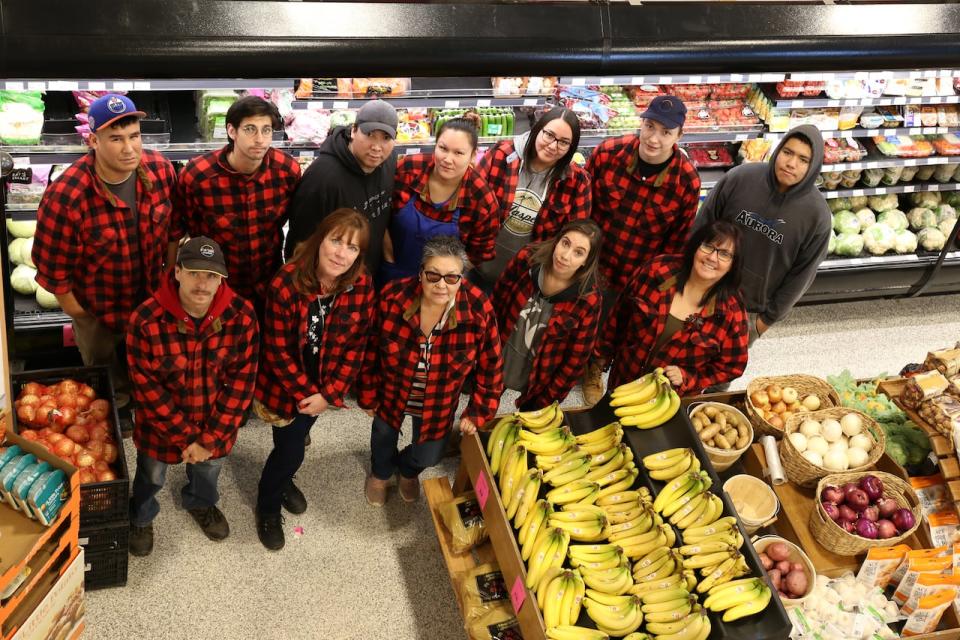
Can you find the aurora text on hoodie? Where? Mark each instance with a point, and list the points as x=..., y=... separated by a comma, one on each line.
x=756, y=222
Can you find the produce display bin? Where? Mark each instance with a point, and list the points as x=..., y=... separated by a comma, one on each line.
x=55, y=608
x=106, y=550
x=100, y=502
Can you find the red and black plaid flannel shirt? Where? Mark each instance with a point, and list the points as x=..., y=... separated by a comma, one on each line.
x=191, y=384
x=568, y=198
x=479, y=223
x=283, y=380
x=469, y=342
x=641, y=218
x=244, y=214
x=567, y=342
x=711, y=348
x=83, y=243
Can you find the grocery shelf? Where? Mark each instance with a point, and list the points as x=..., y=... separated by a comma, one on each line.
x=710, y=177
x=913, y=187
x=64, y=154
x=867, y=261
x=438, y=102
x=859, y=132
x=22, y=211
x=149, y=85
x=874, y=75
x=795, y=103
x=29, y=315
x=877, y=162
x=671, y=79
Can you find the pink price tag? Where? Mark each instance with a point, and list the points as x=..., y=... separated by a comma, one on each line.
x=68, y=340
x=482, y=489
x=518, y=594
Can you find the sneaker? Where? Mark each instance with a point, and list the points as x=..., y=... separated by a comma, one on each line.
x=270, y=530
x=592, y=383
x=293, y=499
x=141, y=540
x=409, y=488
x=306, y=440
x=376, y=491
x=212, y=521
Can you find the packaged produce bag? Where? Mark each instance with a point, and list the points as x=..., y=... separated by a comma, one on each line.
x=932, y=493
x=483, y=587
x=927, y=615
x=954, y=388
x=942, y=413
x=943, y=526
x=464, y=519
x=936, y=552
x=923, y=386
x=880, y=564
x=495, y=623
x=946, y=361
x=926, y=585
x=915, y=567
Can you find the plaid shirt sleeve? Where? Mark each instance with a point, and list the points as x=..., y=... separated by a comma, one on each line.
x=643, y=280
x=281, y=332
x=501, y=176
x=489, y=371
x=479, y=219
x=56, y=250
x=232, y=400
x=158, y=408
x=184, y=204
x=730, y=361
x=345, y=340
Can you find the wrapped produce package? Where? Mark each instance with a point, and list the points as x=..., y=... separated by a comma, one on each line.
x=923, y=386
x=946, y=361
x=464, y=519
x=942, y=413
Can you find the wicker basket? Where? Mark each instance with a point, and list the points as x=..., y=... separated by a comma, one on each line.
x=796, y=555
x=801, y=471
x=804, y=384
x=723, y=459
x=831, y=536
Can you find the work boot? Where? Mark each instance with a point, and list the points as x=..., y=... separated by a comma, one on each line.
x=376, y=490
x=270, y=530
x=141, y=540
x=293, y=499
x=409, y=488
x=212, y=522
x=592, y=383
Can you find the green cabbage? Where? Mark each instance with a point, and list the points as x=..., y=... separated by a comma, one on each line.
x=22, y=228
x=26, y=253
x=945, y=212
x=14, y=249
x=846, y=222
x=866, y=217
x=928, y=199
x=879, y=238
x=931, y=239
x=906, y=242
x=23, y=279
x=46, y=299
x=857, y=202
x=838, y=204
x=921, y=217
x=895, y=219
x=946, y=227
x=849, y=244
x=952, y=198
x=832, y=247
x=883, y=203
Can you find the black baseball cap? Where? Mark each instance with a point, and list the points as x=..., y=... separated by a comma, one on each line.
x=202, y=254
x=377, y=115
x=667, y=110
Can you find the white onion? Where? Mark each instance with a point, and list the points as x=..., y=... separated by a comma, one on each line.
x=831, y=430
x=818, y=445
x=836, y=460
x=861, y=441
x=851, y=424
x=813, y=457
x=810, y=428
x=798, y=440
x=857, y=457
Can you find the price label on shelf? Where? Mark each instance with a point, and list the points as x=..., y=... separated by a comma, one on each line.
x=64, y=85
x=933, y=187
x=606, y=81
x=665, y=80
x=518, y=594
x=833, y=103
x=341, y=104
x=482, y=489
x=14, y=86
x=858, y=193
x=412, y=150
x=873, y=165
x=451, y=104
x=578, y=82
x=314, y=105
x=638, y=80
x=696, y=79
x=930, y=73
x=530, y=102
x=306, y=154
x=740, y=137
x=900, y=100
x=936, y=100
x=851, y=103
x=910, y=163
x=736, y=77
x=36, y=86
x=96, y=86
x=872, y=132
x=910, y=188
x=141, y=85
x=123, y=86
x=483, y=103
x=914, y=131
x=796, y=104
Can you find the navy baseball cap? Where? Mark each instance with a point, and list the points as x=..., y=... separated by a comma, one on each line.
x=667, y=110
x=110, y=108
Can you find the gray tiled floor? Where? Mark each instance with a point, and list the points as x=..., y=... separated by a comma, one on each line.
x=361, y=573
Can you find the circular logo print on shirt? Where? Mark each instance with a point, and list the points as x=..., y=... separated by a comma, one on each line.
x=523, y=213
x=206, y=251
x=116, y=105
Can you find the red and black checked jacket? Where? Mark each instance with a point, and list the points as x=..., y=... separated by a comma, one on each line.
x=244, y=214
x=568, y=198
x=283, y=380
x=641, y=218
x=82, y=244
x=567, y=342
x=711, y=349
x=479, y=223
x=468, y=343
x=191, y=384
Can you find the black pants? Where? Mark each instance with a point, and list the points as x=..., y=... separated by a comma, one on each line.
x=282, y=463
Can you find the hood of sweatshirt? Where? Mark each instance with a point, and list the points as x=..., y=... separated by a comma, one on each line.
x=337, y=144
x=816, y=161
x=168, y=296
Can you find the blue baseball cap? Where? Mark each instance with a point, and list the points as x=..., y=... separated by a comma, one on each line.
x=110, y=108
x=667, y=110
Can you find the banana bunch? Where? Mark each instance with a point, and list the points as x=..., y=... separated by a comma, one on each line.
x=530, y=529
x=524, y=496
x=668, y=606
x=647, y=402
x=636, y=635
x=693, y=626
x=582, y=491
x=614, y=581
x=616, y=615
x=670, y=464
x=739, y=598
x=549, y=551
x=572, y=632
x=601, y=440
x=513, y=468
x=660, y=564
x=547, y=442
x=714, y=550
x=504, y=433
x=574, y=464
x=681, y=490
x=584, y=522
x=546, y=419
x=550, y=462
x=596, y=556
x=560, y=597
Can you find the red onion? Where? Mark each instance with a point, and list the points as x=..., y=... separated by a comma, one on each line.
x=848, y=487
x=886, y=529
x=873, y=486
x=866, y=529
x=831, y=510
x=847, y=514
x=831, y=494
x=903, y=520
x=887, y=507
x=871, y=513
x=848, y=526
x=858, y=499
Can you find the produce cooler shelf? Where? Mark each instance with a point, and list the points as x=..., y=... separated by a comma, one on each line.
x=28, y=315
x=917, y=187
x=149, y=85
x=805, y=103
x=867, y=261
x=874, y=75
x=859, y=132
x=413, y=102
x=671, y=79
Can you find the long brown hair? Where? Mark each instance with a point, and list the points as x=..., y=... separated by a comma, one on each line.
x=343, y=222
x=587, y=274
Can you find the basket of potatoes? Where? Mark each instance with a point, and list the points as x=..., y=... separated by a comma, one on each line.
x=725, y=432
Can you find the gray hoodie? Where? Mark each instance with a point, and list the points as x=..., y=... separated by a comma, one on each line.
x=785, y=235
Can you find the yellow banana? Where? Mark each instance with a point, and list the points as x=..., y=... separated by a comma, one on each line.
x=615, y=463
x=608, y=599
x=568, y=599
x=612, y=581
x=549, y=462
x=695, y=506
x=668, y=569
x=699, y=548
x=663, y=412
x=665, y=595
x=616, y=621
x=572, y=632
x=619, y=497
x=619, y=517
x=621, y=485
x=545, y=582
x=684, y=609
x=683, y=603
x=750, y=608
x=687, y=628
x=530, y=491
x=585, y=550
x=612, y=562
x=649, y=586
x=674, y=489
x=544, y=548
x=748, y=583
x=706, y=560
x=581, y=531
x=555, y=494
x=657, y=403
x=551, y=601
x=599, y=435
x=531, y=529
x=550, y=446
x=710, y=580
x=634, y=551
x=666, y=458
x=605, y=456
x=519, y=490
x=510, y=458
x=640, y=390
x=728, y=598
x=683, y=465
x=710, y=514
x=568, y=471
x=636, y=385
x=497, y=432
x=664, y=562
x=679, y=502
x=600, y=446
x=538, y=418
x=502, y=445
x=575, y=512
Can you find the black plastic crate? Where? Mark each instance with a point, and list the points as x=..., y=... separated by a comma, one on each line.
x=100, y=502
x=104, y=568
x=106, y=537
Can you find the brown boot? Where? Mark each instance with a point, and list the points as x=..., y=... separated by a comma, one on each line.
x=592, y=383
x=409, y=488
x=376, y=491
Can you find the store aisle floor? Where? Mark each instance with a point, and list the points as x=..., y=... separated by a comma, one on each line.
x=358, y=572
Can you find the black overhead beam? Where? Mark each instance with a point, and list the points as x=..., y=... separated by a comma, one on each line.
x=216, y=39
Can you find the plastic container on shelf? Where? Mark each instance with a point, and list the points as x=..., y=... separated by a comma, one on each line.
x=723, y=459
x=106, y=548
x=755, y=502
x=796, y=555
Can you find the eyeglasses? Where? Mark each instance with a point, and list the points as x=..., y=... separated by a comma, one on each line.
x=722, y=254
x=562, y=143
x=251, y=130
x=449, y=278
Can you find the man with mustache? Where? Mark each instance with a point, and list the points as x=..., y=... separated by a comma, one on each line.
x=102, y=230
x=192, y=351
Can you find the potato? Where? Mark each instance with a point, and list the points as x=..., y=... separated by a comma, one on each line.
x=796, y=566
x=742, y=441
x=721, y=420
x=784, y=567
x=796, y=583
x=730, y=435
x=775, y=577
x=710, y=432
x=778, y=551
x=722, y=442
x=710, y=412
x=697, y=425
x=709, y=442
x=766, y=561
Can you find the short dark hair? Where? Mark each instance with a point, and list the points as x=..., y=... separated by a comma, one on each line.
x=588, y=273
x=530, y=150
x=250, y=107
x=712, y=233
x=468, y=123
x=802, y=137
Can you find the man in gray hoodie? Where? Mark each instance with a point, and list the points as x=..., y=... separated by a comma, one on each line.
x=786, y=224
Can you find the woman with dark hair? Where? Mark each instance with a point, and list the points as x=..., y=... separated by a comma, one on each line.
x=319, y=309
x=683, y=313
x=431, y=333
x=538, y=186
x=438, y=194
x=548, y=311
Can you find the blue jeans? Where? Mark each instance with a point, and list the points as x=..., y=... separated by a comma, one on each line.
x=199, y=493
x=282, y=463
x=385, y=460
